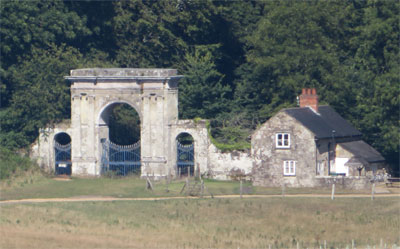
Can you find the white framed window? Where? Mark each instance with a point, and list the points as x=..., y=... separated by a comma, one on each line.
x=282, y=140
x=289, y=168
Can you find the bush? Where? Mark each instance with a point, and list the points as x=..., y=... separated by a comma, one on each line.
x=11, y=163
x=232, y=138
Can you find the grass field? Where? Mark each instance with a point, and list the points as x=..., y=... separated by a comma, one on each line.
x=189, y=223
x=202, y=223
x=37, y=186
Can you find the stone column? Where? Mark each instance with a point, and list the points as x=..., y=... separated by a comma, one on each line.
x=76, y=155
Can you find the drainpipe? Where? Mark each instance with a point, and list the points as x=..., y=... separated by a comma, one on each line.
x=316, y=161
x=333, y=146
x=329, y=159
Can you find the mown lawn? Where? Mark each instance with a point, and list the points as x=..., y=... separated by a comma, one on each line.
x=37, y=186
x=203, y=223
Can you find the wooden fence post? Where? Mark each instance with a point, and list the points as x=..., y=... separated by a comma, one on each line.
x=202, y=189
x=187, y=186
x=241, y=188
x=149, y=185
x=333, y=191
x=373, y=191
x=167, y=184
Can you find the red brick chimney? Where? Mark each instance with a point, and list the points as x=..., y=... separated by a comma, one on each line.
x=309, y=98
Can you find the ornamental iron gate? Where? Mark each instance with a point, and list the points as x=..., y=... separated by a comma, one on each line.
x=62, y=158
x=120, y=159
x=185, y=159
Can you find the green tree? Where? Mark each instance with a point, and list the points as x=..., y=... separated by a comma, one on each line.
x=124, y=125
x=292, y=47
x=41, y=95
x=201, y=92
x=33, y=24
x=375, y=76
x=159, y=33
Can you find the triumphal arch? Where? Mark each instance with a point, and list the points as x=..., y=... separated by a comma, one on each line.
x=86, y=149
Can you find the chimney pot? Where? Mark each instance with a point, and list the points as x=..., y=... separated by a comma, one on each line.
x=314, y=92
x=309, y=98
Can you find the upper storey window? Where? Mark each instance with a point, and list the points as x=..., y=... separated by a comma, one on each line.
x=282, y=140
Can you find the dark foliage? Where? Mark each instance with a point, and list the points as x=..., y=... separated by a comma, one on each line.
x=244, y=60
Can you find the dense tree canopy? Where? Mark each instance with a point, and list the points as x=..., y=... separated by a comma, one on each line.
x=243, y=60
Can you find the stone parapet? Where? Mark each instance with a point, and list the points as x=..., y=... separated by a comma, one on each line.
x=124, y=72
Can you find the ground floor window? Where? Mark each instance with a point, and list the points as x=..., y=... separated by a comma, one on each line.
x=289, y=168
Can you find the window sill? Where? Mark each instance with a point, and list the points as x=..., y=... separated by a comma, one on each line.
x=282, y=148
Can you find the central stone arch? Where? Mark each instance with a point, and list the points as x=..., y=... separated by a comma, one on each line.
x=120, y=148
x=153, y=93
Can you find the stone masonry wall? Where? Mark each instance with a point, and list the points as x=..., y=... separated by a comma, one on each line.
x=225, y=166
x=42, y=150
x=199, y=133
x=269, y=170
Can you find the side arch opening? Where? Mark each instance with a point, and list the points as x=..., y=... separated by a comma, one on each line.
x=185, y=154
x=120, y=125
x=62, y=154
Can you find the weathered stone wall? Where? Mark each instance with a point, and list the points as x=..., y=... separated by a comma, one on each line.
x=90, y=106
x=228, y=165
x=199, y=133
x=42, y=150
x=348, y=182
x=269, y=171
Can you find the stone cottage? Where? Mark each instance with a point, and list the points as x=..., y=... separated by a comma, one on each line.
x=312, y=146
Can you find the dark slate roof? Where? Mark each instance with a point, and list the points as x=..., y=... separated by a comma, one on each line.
x=363, y=150
x=356, y=162
x=324, y=122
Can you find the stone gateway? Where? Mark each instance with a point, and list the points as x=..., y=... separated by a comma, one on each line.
x=153, y=93
x=307, y=146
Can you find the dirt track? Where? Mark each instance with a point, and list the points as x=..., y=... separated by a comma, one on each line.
x=107, y=198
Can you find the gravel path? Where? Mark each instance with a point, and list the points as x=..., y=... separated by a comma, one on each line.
x=107, y=198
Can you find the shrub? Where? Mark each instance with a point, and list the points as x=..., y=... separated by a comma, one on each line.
x=11, y=163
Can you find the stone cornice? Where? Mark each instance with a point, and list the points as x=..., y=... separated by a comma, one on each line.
x=138, y=79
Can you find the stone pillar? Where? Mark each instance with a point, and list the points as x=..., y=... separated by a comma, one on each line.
x=154, y=132
x=76, y=155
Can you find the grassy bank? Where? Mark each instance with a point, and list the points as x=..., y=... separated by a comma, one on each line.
x=202, y=223
x=15, y=164
x=37, y=186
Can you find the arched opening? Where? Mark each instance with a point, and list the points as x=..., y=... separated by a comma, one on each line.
x=62, y=154
x=121, y=144
x=185, y=154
